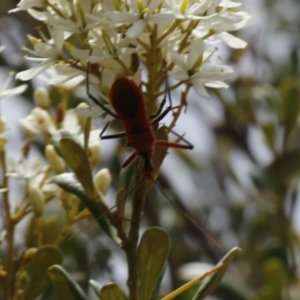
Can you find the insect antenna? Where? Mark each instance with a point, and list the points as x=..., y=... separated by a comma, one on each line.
x=185, y=214
x=108, y=210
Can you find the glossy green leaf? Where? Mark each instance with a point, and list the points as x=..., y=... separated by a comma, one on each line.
x=68, y=182
x=156, y=291
x=212, y=282
x=96, y=286
x=289, y=92
x=45, y=257
x=112, y=291
x=57, y=136
x=87, y=131
x=77, y=159
x=65, y=287
x=153, y=252
x=269, y=131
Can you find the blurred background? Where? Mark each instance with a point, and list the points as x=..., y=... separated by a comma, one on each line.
x=240, y=182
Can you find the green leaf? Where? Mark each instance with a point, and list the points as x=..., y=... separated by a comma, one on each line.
x=156, y=291
x=57, y=136
x=68, y=182
x=87, y=130
x=45, y=257
x=153, y=252
x=111, y=291
x=77, y=159
x=289, y=92
x=212, y=282
x=96, y=286
x=65, y=287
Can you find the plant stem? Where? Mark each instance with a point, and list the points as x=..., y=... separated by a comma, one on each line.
x=10, y=232
x=130, y=247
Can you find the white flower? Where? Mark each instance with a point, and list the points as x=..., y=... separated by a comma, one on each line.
x=63, y=76
x=219, y=25
x=26, y=4
x=74, y=19
x=140, y=15
x=48, y=52
x=25, y=169
x=184, y=11
x=6, y=92
x=66, y=76
x=194, y=67
x=39, y=121
x=32, y=171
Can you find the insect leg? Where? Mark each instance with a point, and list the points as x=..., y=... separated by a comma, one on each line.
x=163, y=114
x=110, y=136
x=130, y=159
x=174, y=145
x=187, y=144
x=92, y=97
x=160, y=114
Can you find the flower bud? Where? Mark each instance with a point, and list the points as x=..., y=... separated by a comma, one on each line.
x=66, y=199
x=28, y=255
x=102, y=181
x=37, y=200
x=42, y=120
x=56, y=163
x=41, y=98
x=81, y=118
x=2, y=124
x=94, y=153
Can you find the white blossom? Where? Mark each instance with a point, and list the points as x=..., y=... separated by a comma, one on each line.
x=139, y=16
x=109, y=34
x=7, y=92
x=25, y=169
x=26, y=4
x=48, y=53
x=194, y=67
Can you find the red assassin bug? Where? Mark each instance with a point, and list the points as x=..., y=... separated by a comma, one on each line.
x=128, y=102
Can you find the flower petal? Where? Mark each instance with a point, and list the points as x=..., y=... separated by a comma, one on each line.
x=15, y=91
x=195, y=50
x=164, y=18
x=232, y=41
x=199, y=88
x=33, y=72
x=136, y=29
x=121, y=17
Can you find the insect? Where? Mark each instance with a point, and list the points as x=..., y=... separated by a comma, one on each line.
x=129, y=106
x=128, y=103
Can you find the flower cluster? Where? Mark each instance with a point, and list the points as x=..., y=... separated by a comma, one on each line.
x=125, y=37
x=34, y=173
x=42, y=121
x=98, y=41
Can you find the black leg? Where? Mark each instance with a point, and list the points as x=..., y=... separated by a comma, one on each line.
x=92, y=97
x=188, y=144
x=163, y=102
x=110, y=136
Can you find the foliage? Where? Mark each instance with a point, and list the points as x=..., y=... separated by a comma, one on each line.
x=243, y=191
